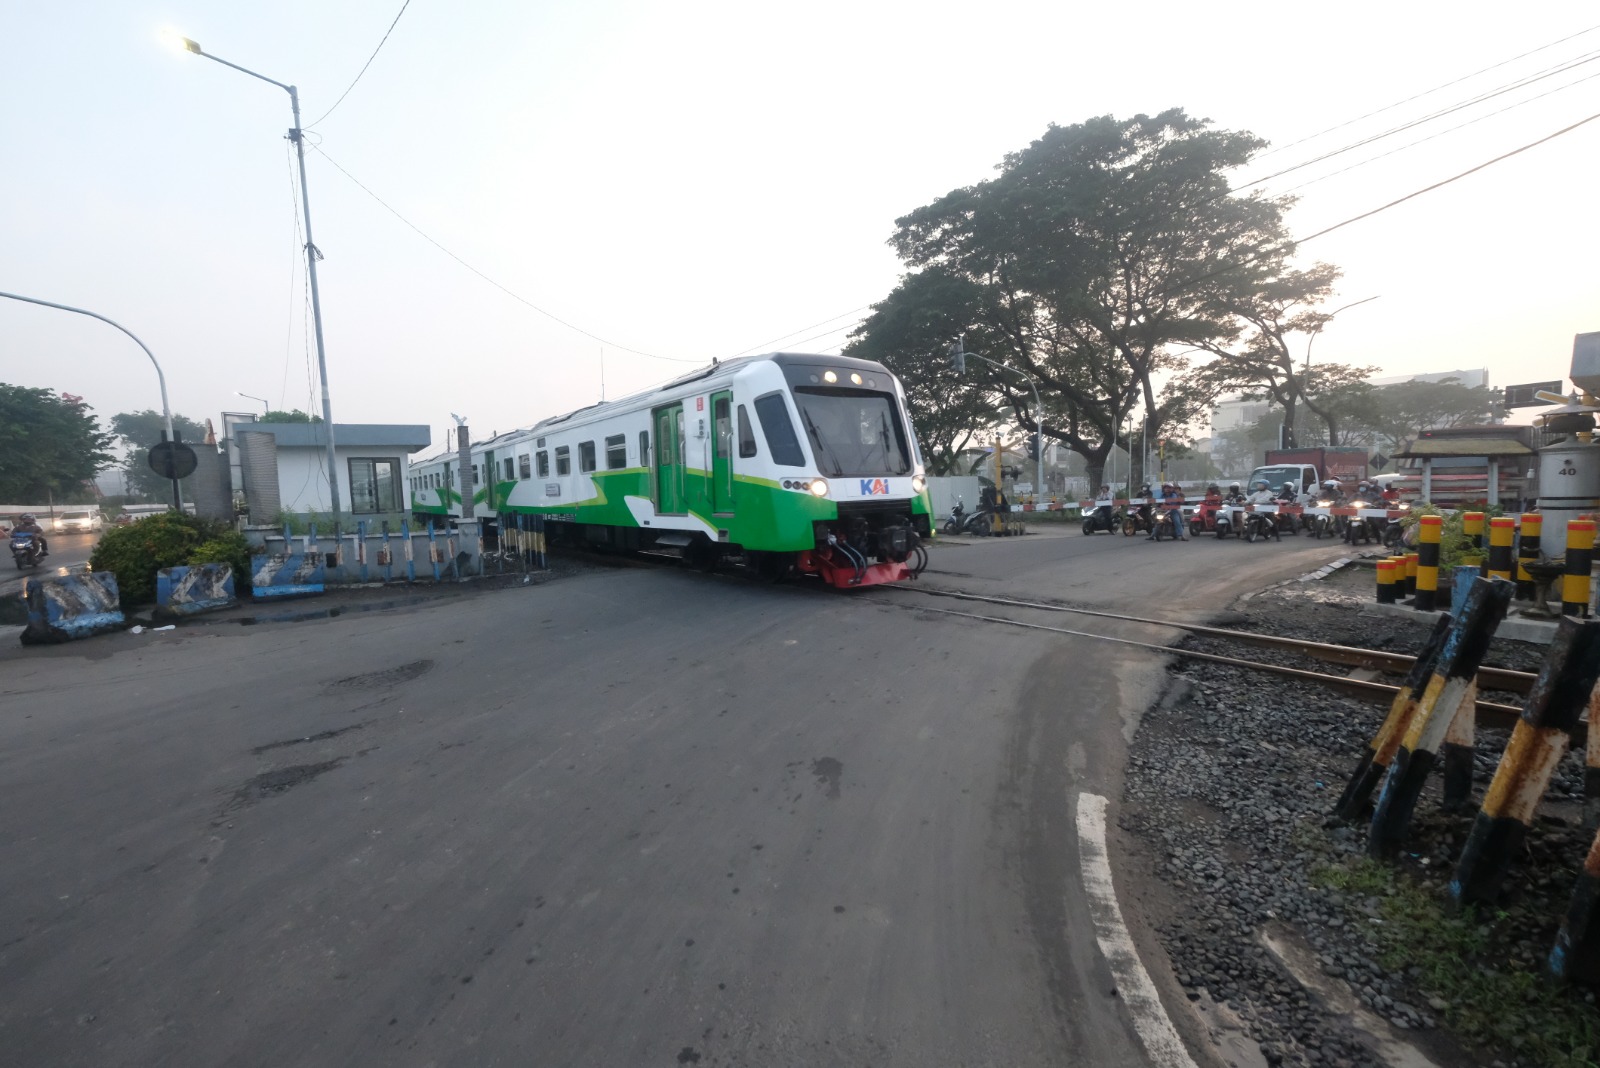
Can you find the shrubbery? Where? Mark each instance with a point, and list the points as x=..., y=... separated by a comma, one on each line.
x=135, y=553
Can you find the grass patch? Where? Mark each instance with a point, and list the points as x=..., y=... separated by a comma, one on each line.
x=1452, y=954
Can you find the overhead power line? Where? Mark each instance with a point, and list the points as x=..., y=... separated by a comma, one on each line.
x=803, y=329
x=367, y=64
x=1501, y=90
x=1429, y=92
x=1441, y=133
x=508, y=292
x=1447, y=181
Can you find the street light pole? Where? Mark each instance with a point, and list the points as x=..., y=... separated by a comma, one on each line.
x=958, y=355
x=1325, y=322
x=265, y=407
x=166, y=411
x=312, y=256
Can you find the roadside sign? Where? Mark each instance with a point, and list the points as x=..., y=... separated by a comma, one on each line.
x=172, y=460
x=1523, y=396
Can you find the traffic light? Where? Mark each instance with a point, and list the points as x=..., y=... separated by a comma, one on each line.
x=1033, y=445
x=958, y=355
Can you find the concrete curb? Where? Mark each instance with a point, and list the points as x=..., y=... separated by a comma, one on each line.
x=1514, y=628
x=1326, y=570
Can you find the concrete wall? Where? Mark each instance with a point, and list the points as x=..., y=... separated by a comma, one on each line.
x=303, y=484
x=943, y=490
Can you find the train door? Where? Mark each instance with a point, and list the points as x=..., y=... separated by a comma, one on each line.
x=722, y=453
x=669, y=460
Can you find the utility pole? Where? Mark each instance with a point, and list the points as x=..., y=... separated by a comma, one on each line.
x=958, y=360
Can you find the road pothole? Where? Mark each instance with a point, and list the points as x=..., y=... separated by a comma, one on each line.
x=379, y=680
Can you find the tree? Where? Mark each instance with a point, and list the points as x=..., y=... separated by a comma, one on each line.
x=49, y=443
x=295, y=416
x=1402, y=411
x=1098, y=253
x=138, y=431
x=909, y=332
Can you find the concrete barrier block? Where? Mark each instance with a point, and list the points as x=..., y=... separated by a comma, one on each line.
x=286, y=575
x=66, y=607
x=186, y=591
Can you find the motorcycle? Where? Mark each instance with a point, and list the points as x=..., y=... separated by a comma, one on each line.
x=1394, y=531
x=1263, y=525
x=1165, y=524
x=1322, y=526
x=1139, y=519
x=958, y=518
x=1103, y=516
x=1226, y=519
x=1359, y=526
x=25, y=549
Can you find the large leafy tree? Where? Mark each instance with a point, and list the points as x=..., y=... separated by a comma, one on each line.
x=137, y=432
x=49, y=444
x=295, y=416
x=1100, y=255
x=1400, y=412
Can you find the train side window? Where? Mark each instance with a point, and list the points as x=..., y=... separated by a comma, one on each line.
x=474, y=474
x=616, y=452
x=644, y=448
x=563, y=460
x=722, y=422
x=510, y=470
x=747, y=434
x=585, y=456
x=779, y=431
x=543, y=457
x=524, y=466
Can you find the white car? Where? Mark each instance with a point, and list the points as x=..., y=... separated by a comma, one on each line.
x=82, y=520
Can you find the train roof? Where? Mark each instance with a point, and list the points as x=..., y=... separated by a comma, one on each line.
x=634, y=400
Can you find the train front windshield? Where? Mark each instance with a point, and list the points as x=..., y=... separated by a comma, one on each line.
x=854, y=432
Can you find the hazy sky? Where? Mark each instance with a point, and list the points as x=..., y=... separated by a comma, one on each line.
x=695, y=180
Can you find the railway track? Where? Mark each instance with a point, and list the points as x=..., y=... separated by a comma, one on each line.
x=1492, y=713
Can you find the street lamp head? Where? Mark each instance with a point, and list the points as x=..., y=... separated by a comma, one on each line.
x=190, y=46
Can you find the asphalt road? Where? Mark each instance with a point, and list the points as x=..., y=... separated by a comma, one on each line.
x=66, y=550
x=633, y=817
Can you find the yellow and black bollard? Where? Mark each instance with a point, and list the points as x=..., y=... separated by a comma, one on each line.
x=1557, y=702
x=1527, y=553
x=1453, y=680
x=1580, y=561
x=1399, y=563
x=1386, y=582
x=1429, y=530
x=1472, y=527
x=1411, y=573
x=1502, y=532
x=1380, y=751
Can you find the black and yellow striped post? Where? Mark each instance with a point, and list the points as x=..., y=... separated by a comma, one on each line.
x=1576, y=955
x=1527, y=553
x=1400, y=590
x=1502, y=532
x=1558, y=700
x=1453, y=681
x=1580, y=561
x=1411, y=573
x=1386, y=582
x=1380, y=751
x=1472, y=527
x=1430, y=528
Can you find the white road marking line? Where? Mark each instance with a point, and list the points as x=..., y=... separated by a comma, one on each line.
x=1150, y=1019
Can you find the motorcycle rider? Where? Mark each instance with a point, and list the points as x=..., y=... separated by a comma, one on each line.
x=1172, y=501
x=28, y=523
x=1260, y=493
x=1103, y=508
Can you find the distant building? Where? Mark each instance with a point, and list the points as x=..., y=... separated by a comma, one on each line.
x=1471, y=379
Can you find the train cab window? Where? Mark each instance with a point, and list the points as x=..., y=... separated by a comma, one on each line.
x=747, y=434
x=543, y=458
x=524, y=466
x=616, y=452
x=779, y=431
x=563, y=460
x=585, y=456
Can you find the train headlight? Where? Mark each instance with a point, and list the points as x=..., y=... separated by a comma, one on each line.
x=819, y=486
x=829, y=377
x=855, y=378
x=918, y=483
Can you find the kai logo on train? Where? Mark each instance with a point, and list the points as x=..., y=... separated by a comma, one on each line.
x=874, y=487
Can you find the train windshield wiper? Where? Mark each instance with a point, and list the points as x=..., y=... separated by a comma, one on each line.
x=822, y=446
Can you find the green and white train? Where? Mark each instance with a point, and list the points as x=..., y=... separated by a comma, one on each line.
x=794, y=462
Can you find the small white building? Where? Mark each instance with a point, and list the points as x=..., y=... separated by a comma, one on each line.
x=374, y=463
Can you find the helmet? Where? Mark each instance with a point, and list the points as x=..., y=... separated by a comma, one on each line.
x=1260, y=482
x=1288, y=487
x=1234, y=488
x=1330, y=483
x=28, y=517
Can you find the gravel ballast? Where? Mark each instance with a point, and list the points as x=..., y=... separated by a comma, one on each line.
x=1230, y=784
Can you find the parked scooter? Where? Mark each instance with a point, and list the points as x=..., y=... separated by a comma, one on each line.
x=25, y=549
x=958, y=518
